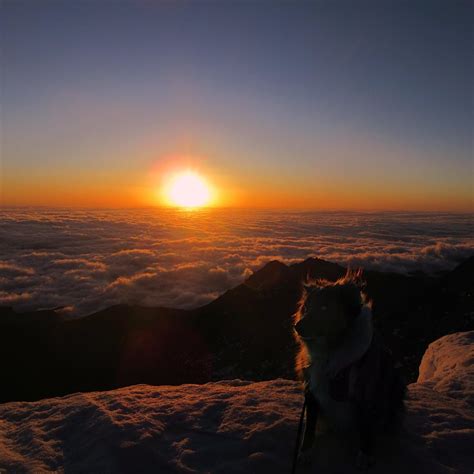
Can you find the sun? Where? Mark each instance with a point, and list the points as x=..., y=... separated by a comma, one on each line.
x=188, y=189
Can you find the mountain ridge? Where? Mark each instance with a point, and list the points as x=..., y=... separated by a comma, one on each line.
x=244, y=333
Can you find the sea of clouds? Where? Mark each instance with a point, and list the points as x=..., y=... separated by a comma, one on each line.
x=85, y=260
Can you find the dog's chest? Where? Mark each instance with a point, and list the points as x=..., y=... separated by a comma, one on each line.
x=319, y=382
x=339, y=414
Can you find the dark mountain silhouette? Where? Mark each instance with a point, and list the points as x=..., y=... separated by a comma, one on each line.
x=460, y=279
x=245, y=333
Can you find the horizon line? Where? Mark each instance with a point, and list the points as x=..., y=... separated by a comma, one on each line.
x=236, y=208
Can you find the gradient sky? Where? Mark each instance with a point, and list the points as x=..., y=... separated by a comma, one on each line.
x=325, y=104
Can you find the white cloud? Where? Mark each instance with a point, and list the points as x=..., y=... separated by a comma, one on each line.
x=87, y=260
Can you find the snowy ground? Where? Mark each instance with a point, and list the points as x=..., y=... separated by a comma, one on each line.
x=237, y=427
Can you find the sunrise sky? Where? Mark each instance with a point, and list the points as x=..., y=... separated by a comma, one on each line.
x=319, y=104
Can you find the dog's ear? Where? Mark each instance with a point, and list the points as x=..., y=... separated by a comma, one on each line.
x=356, y=277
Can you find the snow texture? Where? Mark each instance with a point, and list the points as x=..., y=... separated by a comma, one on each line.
x=237, y=427
x=448, y=366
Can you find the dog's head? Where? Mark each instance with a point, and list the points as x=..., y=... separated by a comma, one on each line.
x=328, y=309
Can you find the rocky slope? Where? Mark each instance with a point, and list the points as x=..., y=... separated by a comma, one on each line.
x=246, y=333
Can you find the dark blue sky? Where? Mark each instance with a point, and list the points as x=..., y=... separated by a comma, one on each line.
x=278, y=93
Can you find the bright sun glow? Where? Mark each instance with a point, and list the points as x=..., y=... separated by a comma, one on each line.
x=188, y=189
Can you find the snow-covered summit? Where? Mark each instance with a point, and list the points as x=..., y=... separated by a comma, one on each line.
x=236, y=426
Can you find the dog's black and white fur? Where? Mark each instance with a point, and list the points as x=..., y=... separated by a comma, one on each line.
x=349, y=376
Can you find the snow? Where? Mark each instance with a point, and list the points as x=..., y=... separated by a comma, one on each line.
x=237, y=427
x=448, y=366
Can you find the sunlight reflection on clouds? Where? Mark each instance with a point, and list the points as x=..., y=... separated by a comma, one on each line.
x=88, y=260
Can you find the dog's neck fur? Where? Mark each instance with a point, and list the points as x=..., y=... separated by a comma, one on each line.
x=340, y=415
x=352, y=348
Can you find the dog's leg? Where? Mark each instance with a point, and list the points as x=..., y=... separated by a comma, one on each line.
x=312, y=410
x=365, y=426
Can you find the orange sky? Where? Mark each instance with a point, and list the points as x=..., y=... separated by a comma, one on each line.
x=133, y=189
x=315, y=106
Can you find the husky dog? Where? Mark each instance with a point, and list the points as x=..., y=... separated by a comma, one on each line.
x=349, y=376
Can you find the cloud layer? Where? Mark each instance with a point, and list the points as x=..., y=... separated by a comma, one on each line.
x=86, y=260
